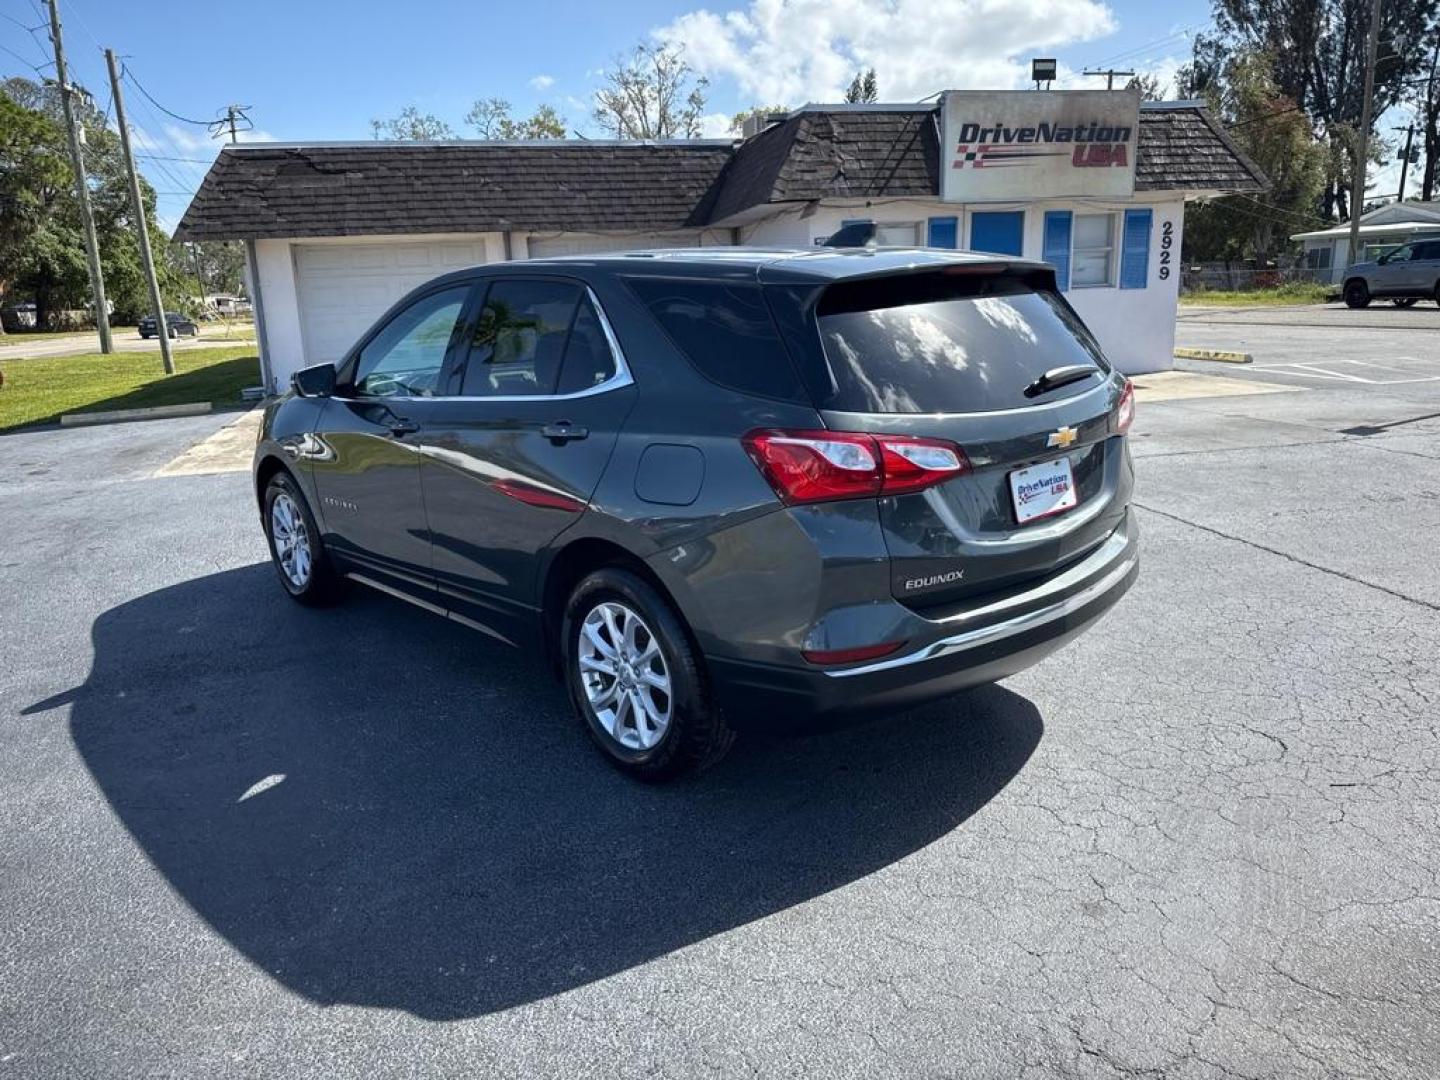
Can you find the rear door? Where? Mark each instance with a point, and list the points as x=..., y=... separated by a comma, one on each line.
x=1427, y=267
x=510, y=459
x=960, y=355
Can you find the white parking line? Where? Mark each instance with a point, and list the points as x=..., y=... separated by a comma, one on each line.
x=1327, y=371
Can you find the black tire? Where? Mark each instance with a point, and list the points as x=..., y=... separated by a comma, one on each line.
x=144, y=336
x=1357, y=294
x=1405, y=301
x=323, y=585
x=696, y=736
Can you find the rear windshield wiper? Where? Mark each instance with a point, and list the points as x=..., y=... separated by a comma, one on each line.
x=1060, y=376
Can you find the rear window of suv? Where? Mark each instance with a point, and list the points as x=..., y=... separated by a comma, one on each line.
x=967, y=342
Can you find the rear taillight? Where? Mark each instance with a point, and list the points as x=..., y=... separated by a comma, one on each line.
x=1125, y=410
x=822, y=466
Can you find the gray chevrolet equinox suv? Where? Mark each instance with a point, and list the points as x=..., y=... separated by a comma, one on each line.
x=723, y=488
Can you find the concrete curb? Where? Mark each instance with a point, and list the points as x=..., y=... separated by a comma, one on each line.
x=120, y=416
x=1223, y=356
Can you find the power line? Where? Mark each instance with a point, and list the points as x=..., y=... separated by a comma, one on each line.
x=173, y=115
x=162, y=157
x=27, y=63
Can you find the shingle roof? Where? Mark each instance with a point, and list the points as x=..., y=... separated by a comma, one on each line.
x=264, y=191
x=344, y=190
x=1183, y=148
x=815, y=155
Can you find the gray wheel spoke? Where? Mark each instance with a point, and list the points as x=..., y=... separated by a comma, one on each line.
x=602, y=664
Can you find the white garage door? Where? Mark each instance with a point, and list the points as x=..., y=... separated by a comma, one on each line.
x=594, y=243
x=344, y=288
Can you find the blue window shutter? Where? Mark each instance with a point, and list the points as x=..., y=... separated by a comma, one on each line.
x=1135, y=250
x=1057, y=245
x=944, y=232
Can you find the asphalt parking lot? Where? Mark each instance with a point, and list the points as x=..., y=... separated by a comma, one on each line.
x=243, y=838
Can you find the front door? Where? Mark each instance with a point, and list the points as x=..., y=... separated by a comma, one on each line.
x=512, y=461
x=367, y=464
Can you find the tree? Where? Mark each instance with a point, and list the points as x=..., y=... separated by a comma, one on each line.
x=491, y=118
x=862, y=88
x=42, y=254
x=652, y=95
x=412, y=124
x=1319, y=50
x=737, y=122
x=1271, y=129
x=1149, y=87
x=1425, y=98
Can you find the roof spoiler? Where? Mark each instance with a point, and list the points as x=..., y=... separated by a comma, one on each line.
x=856, y=234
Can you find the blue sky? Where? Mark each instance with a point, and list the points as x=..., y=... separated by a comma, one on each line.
x=320, y=70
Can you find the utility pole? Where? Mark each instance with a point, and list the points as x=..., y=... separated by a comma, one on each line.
x=1409, y=130
x=162, y=328
x=1109, y=74
x=1357, y=192
x=82, y=187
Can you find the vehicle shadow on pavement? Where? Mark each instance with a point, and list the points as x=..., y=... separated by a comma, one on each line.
x=380, y=808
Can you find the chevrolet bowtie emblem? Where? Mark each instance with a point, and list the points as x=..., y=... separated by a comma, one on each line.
x=1061, y=438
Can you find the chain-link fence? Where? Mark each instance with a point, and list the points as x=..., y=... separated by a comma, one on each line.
x=1222, y=277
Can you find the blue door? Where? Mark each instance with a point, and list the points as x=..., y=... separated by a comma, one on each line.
x=998, y=232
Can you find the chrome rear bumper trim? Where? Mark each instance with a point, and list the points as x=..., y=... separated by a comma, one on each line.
x=1019, y=624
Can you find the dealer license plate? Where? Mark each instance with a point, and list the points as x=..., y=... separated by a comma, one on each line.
x=1043, y=490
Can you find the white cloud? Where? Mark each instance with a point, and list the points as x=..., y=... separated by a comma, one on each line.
x=542, y=82
x=715, y=125
x=794, y=51
x=190, y=142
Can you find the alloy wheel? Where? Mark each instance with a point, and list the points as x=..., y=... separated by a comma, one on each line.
x=292, y=540
x=624, y=675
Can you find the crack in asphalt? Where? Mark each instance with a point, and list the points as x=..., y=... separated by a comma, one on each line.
x=1289, y=557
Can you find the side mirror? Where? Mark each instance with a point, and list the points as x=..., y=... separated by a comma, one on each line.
x=314, y=382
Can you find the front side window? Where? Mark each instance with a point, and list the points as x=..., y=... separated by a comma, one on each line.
x=519, y=339
x=1404, y=253
x=405, y=358
x=1092, y=250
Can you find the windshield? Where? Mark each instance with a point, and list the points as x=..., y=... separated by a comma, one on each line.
x=936, y=343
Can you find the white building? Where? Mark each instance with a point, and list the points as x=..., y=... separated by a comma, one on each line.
x=336, y=232
x=1380, y=230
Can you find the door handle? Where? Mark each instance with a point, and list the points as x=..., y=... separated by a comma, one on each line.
x=562, y=431
x=400, y=427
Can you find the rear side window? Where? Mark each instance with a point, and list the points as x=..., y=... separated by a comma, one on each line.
x=519, y=339
x=943, y=343
x=725, y=330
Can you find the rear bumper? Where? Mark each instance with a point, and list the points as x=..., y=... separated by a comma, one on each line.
x=967, y=649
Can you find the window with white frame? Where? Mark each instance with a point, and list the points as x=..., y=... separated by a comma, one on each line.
x=896, y=234
x=1092, y=250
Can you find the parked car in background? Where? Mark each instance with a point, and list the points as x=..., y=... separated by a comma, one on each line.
x=1403, y=275
x=721, y=488
x=176, y=324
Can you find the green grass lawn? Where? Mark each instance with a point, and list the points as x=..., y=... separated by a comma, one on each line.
x=1284, y=294
x=39, y=390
